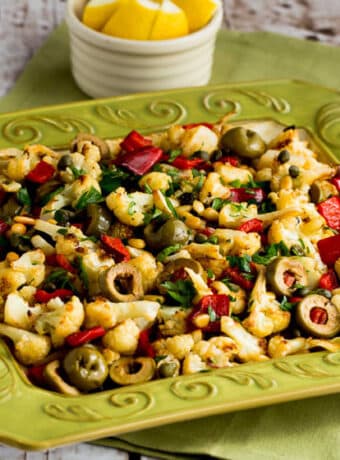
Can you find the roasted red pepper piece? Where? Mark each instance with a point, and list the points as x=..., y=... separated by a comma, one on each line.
x=145, y=347
x=207, y=231
x=295, y=299
x=79, y=338
x=182, y=162
x=233, y=161
x=41, y=173
x=3, y=227
x=135, y=141
x=43, y=296
x=329, y=249
x=239, y=195
x=140, y=161
x=252, y=225
x=194, y=125
x=330, y=210
x=64, y=263
x=237, y=277
x=329, y=280
x=217, y=304
x=36, y=374
x=116, y=247
x=336, y=181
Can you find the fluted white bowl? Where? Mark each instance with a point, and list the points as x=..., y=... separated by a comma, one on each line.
x=105, y=66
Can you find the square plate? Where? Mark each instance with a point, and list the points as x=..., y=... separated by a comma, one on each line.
x=33, y=418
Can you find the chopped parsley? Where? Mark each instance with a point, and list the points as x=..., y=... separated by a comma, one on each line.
x=59, y=279
x=168, y=251
x=112, y=179
x=218, y=203
x=170, y=206
x=241, y=262
x=82, y=273
x=46, y=198
x=24, y=197
x=131, y=208
x=173, y=154
x=263, y=257
x=89, y=197
x=182, y=291
x=76, y=172
x=285, y=305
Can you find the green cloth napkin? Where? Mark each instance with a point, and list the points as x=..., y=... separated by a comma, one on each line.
x=304, y=430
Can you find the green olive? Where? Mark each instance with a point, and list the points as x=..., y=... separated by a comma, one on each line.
x=85, y=368
x=316, y=315
x=284, y=156
x=19, y=242
x=244, y=142
x=173, y=231
x=173, y=267
x=64, y=162
x=64, y=216
x=128, y=371
x=120, y=230
x=283, y=274
x=201, y=238
x=294, y=171
x=216, y=155
x=122, y=283
x=100, y=219
x=11, y=208
x=320, y=190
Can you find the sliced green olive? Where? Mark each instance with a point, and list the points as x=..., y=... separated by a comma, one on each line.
x=85, y=368
x=100, y=220
x=316, y=315
x=173, y=231
x=173, y=267
x=100, y=143
x=283, y=274
x=122, y=283
x=128, y=371
x=120, y=230
x=320, y=190
x=54, y=380
x=244, y=142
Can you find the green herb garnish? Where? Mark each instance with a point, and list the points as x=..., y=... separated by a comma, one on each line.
x=168, y=251
x=112, y=179
x=182, y=291
x=89, y=197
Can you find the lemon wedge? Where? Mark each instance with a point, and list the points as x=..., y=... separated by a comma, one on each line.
x=132, y=19
x=98, y=12
x=199, y=12
x=170, y=22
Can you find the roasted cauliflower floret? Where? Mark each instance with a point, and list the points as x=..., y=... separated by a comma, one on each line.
x=172, y=321
x=129, y=208
x=148, y=267
x=93, y=264
x=192, y=364
x=179, y=345
x=250, y=348
x=29, y=348
x=18, y=313
x=198, y=138
x=102, y=312
x=246, y=243
x=123, y=338
x=230, y=173
x=237, y=296
x=155, y=181
x=233, y=214
x=266, y=316
x=60, y=319
x=213, y=188
x=73, y=244
x=31, y=265
x=217, y=351
x=279, y=347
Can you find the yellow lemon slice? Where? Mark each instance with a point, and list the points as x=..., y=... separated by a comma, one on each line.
x=170, y=22
x=133, y=19
x=97, y=12
x=199, y=12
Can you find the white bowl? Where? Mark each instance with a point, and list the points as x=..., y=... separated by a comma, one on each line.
x=105, y=66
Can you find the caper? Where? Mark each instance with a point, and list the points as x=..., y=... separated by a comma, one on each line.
x=325, y=292
x=64, y=162
x=187, y=198
x=201, y=238
x=167, y=369
x=302, y=292
x=85, y=368
x=297, y=250
x=216, y=155
x=244, y=142
x=294, y=171
x=202, y=154
x=284, y=156
x=63, y=216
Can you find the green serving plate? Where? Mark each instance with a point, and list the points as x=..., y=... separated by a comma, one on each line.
x=33, y=418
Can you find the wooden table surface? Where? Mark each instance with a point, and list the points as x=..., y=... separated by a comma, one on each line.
x=25, y=24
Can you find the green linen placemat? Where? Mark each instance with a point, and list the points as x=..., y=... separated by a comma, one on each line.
x=303, y=430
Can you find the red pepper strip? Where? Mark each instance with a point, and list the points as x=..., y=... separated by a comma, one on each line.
x=36, y=374
x=329, y=280
x=288, y=279
x=116, y=247
x=252, y=225
x=3, y=227
x=318, y=315
x=330, y=210
x=329, y=249
x=208, y=231
x=194, y=125
x=43, y=296
x=64, y=263
x=237, y=277
x=185, y=163
x=246, y=194
x=233, y=161
x=295, y=299
x=140, y=161
x=145, y=348
x=135, y=141
x=336, y=181
x=217, y=303
x=79, y=338
x=41, y=173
